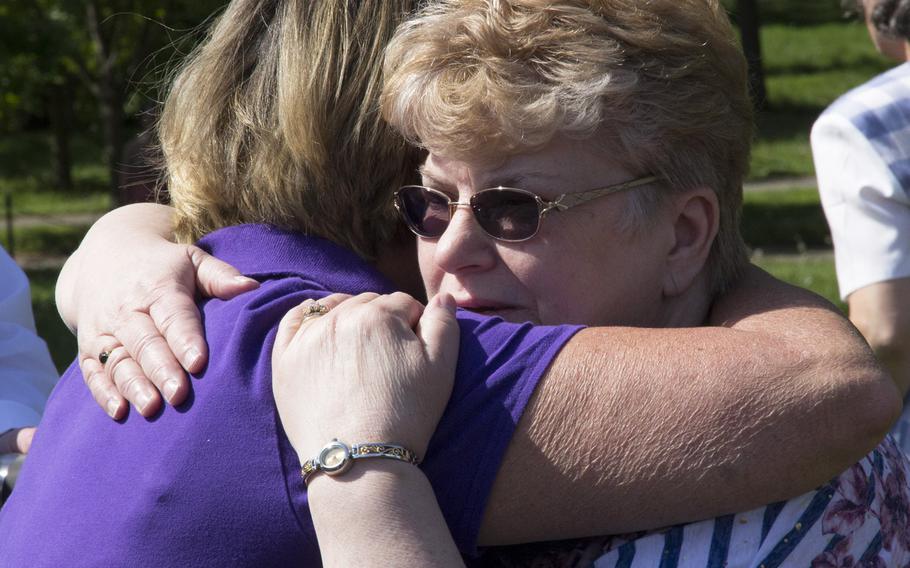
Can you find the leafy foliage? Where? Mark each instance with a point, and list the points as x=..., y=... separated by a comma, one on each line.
x=76, y=64
x=796, y=12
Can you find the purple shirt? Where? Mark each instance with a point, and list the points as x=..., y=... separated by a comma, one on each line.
x=215, y=481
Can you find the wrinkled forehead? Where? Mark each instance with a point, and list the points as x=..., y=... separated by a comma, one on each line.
x=562, y=162
x=479, y=174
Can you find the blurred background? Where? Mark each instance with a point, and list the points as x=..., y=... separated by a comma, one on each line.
x=80, y=83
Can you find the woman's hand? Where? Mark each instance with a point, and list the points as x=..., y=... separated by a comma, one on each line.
x=372, y=369
x=128, y=291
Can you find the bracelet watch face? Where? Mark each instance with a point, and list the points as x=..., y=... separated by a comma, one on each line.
x=334, y=458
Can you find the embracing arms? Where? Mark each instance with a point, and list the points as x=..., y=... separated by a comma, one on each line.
x=635, y=428
x=651, y=427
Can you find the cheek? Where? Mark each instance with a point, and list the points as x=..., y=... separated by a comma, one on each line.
x=429, y=271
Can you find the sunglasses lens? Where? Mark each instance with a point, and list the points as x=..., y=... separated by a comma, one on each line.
x=506, y=214
x=425, y=212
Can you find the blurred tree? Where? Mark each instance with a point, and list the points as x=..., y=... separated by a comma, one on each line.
x=747, y=17
x=112, y=50
x=35, y=79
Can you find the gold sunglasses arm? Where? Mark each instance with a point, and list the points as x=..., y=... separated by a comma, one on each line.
x=566, y=201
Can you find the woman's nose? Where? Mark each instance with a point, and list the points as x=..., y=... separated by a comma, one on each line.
x=464, y=246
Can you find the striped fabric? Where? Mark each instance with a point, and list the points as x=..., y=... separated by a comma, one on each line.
x=860, y=519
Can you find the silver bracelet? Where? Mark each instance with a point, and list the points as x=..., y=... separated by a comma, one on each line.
x=336, y=457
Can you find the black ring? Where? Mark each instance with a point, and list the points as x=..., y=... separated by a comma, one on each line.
x=104, y=356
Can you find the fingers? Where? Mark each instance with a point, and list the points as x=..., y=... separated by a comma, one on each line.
x=177, y=332
x=132, y=383
x=398, y=305
x=217, y=278
x=292, y=321
x=438, y=328
x=401, y=305
x=152, y=352
x=102, y=388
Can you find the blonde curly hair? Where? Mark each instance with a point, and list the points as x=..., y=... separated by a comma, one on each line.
x=662, y=82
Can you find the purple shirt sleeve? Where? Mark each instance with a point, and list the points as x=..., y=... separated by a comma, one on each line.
x=499, y=366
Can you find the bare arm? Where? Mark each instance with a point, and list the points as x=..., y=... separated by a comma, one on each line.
x=384, y=515
x=881, y=312
x=642, y=428
x=637, y=428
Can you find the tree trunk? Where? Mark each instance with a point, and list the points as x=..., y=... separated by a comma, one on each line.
x=60, y=113
x=110, y=98
x=749, y=23
x=111, y=123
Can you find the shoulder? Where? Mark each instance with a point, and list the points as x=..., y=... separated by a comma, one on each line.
x=256, y=314
x=493, y=336
x=876, y=106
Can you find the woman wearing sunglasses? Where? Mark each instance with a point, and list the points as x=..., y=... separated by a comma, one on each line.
x=610, y=441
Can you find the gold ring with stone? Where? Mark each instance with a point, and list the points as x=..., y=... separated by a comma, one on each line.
x=315, y=310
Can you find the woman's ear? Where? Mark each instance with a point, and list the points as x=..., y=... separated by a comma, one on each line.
x=694, y=215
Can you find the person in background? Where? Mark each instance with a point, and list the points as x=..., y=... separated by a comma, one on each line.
x=861, y=148
x=27, y=374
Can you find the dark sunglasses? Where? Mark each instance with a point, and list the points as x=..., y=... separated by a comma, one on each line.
x=504, y=213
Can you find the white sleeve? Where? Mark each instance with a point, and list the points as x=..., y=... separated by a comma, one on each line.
x=867, y=210
x=27, y=374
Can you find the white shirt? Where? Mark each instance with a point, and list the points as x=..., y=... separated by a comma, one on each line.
x=27, y=374
x=861, y=144
x=861, y=147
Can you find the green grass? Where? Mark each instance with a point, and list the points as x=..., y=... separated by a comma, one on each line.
x=789, y=221
x=59, y=202
x=815, y=272
x=26, y=173
x=790, y=238
x=54, y=240
x=807, y=68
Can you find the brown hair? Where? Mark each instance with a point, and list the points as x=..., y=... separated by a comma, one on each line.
x=664, y=82
x=891, y=17
x=275, y=119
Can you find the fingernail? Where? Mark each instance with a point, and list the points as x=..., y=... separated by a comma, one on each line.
x=143, y=399
x=245, y=280
x=448, y=302
x=112, y=406
x=170, y=390
x=191, y=358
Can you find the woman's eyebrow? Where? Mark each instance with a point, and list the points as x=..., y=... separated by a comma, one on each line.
x=523, y=180
x=431, y=180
